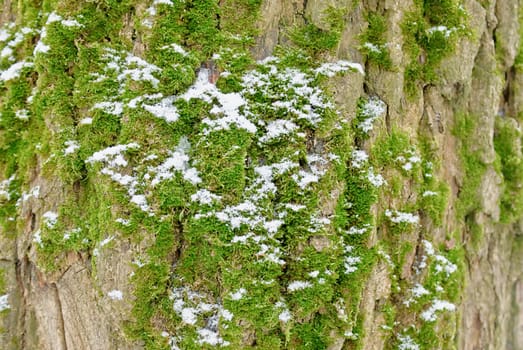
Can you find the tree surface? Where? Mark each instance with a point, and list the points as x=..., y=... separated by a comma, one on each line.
x=265, y=174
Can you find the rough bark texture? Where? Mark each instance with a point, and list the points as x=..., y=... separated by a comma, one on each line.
x=68, y=305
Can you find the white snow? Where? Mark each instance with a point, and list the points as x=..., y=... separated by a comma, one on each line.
x=407, y=343
x=416, y=292
x=15, y=70
x=4, y=35
x=86, y=121
x=359, y=158
x=371, y=110
x=37, y=238
x=442, y=29
x=239, y=294
x=114, y=108
x=176, y=48
x=53, y=17
x=298, y=285
x=331, y=69
x=163, y=110
x=22, y=114
x=398, y=217
x=285, y=316
x=112, y=155
x=4, y=302
x=226, y=314
x=50, y=219
x=372, y=47
x=4, y=188
x=351, y=263
x=429, y=315
x=71, y=147
x=429, y=193
x=205, y=197
x=115, y=295
x=123, y=221
x=141, y=201
x=71, y=23
x=178, y=161
x=277, y=129
x=375, y=179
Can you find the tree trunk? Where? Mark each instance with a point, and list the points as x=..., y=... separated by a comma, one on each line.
x=266, y=174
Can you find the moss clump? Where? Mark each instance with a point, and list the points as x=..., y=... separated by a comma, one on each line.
x=507, y=143
x=431, y=33
x=374, y=41
x=473, y=167
x=315, y=40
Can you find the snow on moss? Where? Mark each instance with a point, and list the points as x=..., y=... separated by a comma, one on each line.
x=15, y=70
x=399, y=217
x=407, y=343
x=370, y=111
x=430, y=315
x=177, y=161
x=330, y=69
x=298, y=285
x=196, y=308
x=5, y=192
x=4, y=302
x=50, y=219
x=71, y=147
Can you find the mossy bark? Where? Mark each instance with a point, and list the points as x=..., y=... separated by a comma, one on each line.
x=383, y=209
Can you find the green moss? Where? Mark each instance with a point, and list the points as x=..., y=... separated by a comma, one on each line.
x=315, y=40
x=472, y=166
x=431, y=33
x=373, y=41
x=507, y=143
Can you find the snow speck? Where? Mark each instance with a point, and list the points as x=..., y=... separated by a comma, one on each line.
x=115, y=295
x=375, y=179
x=4, y=302
x=114, y=108
x=71, y=147
x=437, y=305
x=205, y=197
x=239, y=294
x=37, y=238
x=15, y=70
x=112, y=155
x=22, y=114
x=71, y=23
x=277, y=129
x=298, y=285
x=398, y=217
x=331, y=69
x=407, y=343
x=163, y=110
x=371, y=110
x=285, y=316
x=86, y=121
x=53, y=17
x=123, y=222
x=178, y=161
x=50, y=219
x=359, y=158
